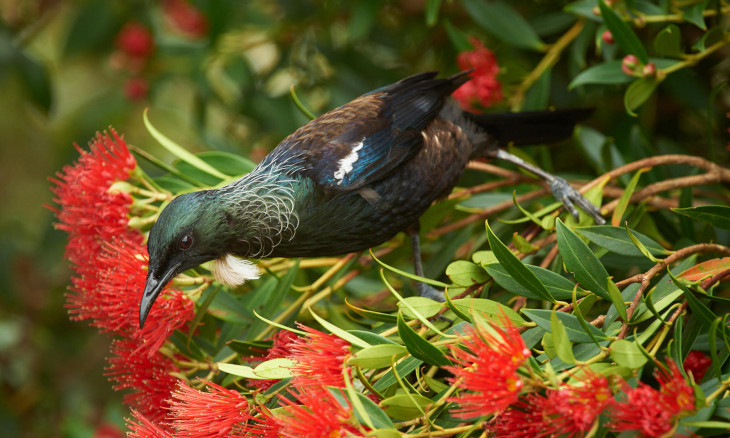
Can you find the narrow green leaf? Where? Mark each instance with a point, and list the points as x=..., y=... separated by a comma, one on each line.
x=238, y=370
x=638, y=92
x=558, y=286
x=640, y=246
x=425, y=307
x=179, y=151
x=378, y=356
x=357, y=404
x=606, y=73
x=580, y=260
x=299, y=104
x=617, y=300
x=576, y=332
x=340, y=333
x=717, y=215
x=563, y=347
x=617, y=239
x=432, y=12
x=414, y=312
x=419, y=347
x=279, y=368
x=372, y=338
x=627, y=354
x=622, y=33
x=405, y=406
x=579, y=314
x=370, y=314
x=503, y=22
x=407, y=274
x=623, y=202
x=516, y=268
x=404, y=369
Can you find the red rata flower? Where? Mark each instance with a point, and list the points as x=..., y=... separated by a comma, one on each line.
x=148, y=376
x=186, y=18
x=144, y=428
x=319, y=358
x=651, y=412
x=282, y=347
x=483, y=89
x=570, y=411
x=487, y=368
x=207, y=414
x=316, y=414
x=135, y=40
x=697, y=363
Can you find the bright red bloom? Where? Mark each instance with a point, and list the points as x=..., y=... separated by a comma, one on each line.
x=262, y=425
x=186, y=18
x=108, y=430
x=651, y=412
x=483, y=89
x=144, y=428
x=147, y=375
x=214, y=413
x=135, y=40
x=316, y=414
x=487, y=368
x=523, y=419
x=135, y=89
x=697, y=363
x=320, y=359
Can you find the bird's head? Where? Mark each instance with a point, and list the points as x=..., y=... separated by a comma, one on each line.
x=189, y=231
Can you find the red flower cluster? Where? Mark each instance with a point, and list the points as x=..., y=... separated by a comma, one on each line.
x=281, y=348
x=487, y=368
x=316, y=414
x=186, y=18
x=570, y=411
x=135, y=41
x=207, y=414
x=651, y=412
x=320, y=359
x=483, y=89
x=697, y=363
x=144, y=428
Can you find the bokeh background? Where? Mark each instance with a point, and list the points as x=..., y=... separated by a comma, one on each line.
x=216, y=75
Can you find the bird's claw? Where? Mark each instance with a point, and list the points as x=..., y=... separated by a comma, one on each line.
x=570, y=198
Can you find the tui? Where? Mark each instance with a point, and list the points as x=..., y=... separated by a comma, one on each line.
x=348, y=180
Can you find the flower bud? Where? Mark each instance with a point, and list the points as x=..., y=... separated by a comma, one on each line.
x=649, y=70
x=607, y=37
x=629, y=65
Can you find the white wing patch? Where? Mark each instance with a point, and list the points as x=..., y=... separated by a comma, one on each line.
x=347, y=162
x=232, y=271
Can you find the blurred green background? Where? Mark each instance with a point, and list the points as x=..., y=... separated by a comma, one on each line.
x=216, y=75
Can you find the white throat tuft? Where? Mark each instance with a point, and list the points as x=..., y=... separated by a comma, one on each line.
x=233, y=271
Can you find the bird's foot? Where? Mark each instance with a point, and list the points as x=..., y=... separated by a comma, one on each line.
x=430, y=292
x=570, y=198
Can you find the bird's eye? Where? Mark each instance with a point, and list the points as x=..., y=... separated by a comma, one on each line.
x=185, y=242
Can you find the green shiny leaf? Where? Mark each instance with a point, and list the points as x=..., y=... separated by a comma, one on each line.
x=378, y=356
x=561, y=343
x=573, y=327
x=558, y=286
x=404, y=368
x=638, y=92
x=668, y=42
x=419, y=347
x=627, y=354
x=606, y=73
x=580, y=260
x=516, y=268
x=617, y=240
x=493, y=310
x=623, y=202
x=717, y=215
x=425, y=307
x=464, y=273
x=505, y=23
x=617, y=300
x=405, y=406
x=622, y=33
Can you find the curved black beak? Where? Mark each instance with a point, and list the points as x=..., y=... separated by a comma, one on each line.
x=152, y=289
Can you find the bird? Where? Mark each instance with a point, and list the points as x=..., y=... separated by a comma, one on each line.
x=348, y=180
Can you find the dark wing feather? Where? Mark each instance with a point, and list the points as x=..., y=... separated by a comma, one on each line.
x=364, y=140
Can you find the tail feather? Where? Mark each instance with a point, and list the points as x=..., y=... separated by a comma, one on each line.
x=531, y=127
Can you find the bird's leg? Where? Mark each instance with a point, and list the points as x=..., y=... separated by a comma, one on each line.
x=563, y=192
x=424, y=289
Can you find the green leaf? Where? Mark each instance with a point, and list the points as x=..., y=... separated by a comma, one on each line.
x=606, y=73
x=465, y=273
x=717, y=215
x=378, y=356
x=573, y=327
x=492, y=309
x=372, y=338
x=404, y=368
x=340, y=333
x=623, y=202
x=580, y=260
x=504, y=23
x=425, y=307
x=638, y=92
x=640, y=246
x=695, y=14
x=516, y=268
x=405, y=406
x=419, y=347
x=668, y=42
x=627, y=354
x=617, y=300
x=179, y=151
x=484, y=258
x=432, y=12
x=616, y=239
x=715, y=35
x=561, y=343
x=370, y=314
x=558, y=286
x=306, y=111
x=407, y=274
x=622, y=33
x=271, y=369
x=414, y=312
x=228, y=163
